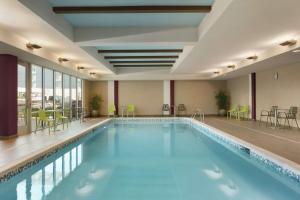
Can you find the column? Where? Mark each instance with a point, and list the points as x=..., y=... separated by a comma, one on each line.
x=252, y=95
x=8, y=93
x=166, y=95
x=110, y=93
x=172, y=96
x=116, y=96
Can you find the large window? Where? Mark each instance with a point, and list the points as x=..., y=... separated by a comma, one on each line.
x=73, y=97
x=22, y=120
x=66, y=80
x=36, y=90
x=58, y=91
x=36, y=93
x=49, y=94
x=50, y=90
x=79, y=98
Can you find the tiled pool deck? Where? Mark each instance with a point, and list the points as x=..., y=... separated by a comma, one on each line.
x=16, y=150
x=283, y=142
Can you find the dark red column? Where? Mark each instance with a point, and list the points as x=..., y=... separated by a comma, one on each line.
x=8, y=96
x=253, y=96
x=116, y=96
x=172, y=96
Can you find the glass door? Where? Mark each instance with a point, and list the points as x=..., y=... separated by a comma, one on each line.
x=23, y=99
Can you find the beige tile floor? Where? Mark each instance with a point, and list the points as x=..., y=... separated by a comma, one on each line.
x=16, y=149
x=281, y=141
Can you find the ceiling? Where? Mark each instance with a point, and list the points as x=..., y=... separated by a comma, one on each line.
x=206, y=41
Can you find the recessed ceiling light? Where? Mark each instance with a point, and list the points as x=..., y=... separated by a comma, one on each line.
x=231, y=66
x=93, y=73
x=296, y=51
x=252, y=57
x=63, y=59
x=289, y=43
x=216, y=72
x=33, y=46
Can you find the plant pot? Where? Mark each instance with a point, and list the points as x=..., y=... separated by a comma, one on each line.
x=222, y=112
x=95, y=113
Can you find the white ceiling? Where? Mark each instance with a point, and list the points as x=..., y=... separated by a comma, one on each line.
x=233, y=30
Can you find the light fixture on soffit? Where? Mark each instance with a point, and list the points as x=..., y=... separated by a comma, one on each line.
x=32, y=46
x=288, y=43
x=80, y=68
x=63, y=60
x=252, y=57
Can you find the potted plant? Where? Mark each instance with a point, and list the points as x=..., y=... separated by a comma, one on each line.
x=222, y=102
x=95, y=105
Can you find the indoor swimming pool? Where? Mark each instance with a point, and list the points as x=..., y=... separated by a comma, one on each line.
x=162, y=159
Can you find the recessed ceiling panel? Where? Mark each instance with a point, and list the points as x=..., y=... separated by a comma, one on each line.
x=127, y=2
x=132, y=19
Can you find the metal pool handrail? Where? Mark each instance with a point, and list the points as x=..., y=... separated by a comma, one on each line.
x=199, y=113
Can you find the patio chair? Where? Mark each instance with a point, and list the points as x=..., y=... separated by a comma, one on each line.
x=243, y=112
x=290, y=115
x=44, y=119
x=165, y=108
x=181, y=109
x=233, y=112
x=269, y=114
x=130, y=109
x=111, y=110
x=61, y=118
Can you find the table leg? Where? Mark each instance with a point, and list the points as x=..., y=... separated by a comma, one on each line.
x=275, y=118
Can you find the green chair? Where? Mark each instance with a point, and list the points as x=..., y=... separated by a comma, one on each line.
x=60, y=117
x=243, y=112
x=232, y=112
x=44, y=119
x=111, y=110
x=130, y=109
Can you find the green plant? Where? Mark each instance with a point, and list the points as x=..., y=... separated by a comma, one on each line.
x=222, y=99
x=95, y=103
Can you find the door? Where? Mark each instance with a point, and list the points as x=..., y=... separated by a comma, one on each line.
x=23, y=99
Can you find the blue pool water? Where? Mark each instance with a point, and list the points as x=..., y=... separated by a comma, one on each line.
x=151, y=161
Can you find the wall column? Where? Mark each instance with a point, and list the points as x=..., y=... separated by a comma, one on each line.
x=172, y=96
x=116, y=96
x=166, y=95
x=8, y=100
x=252, y=95
x=110, y=93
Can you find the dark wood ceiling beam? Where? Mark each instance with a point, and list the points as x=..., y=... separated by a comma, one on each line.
x=142, y=61
x=138, y=57
x=143, y=65
x=132, y=9
x=142, y=51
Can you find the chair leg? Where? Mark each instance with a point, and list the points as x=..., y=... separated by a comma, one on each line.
x=296, y=123
x=49, y=125
x=259, y=121
x=288, y=122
